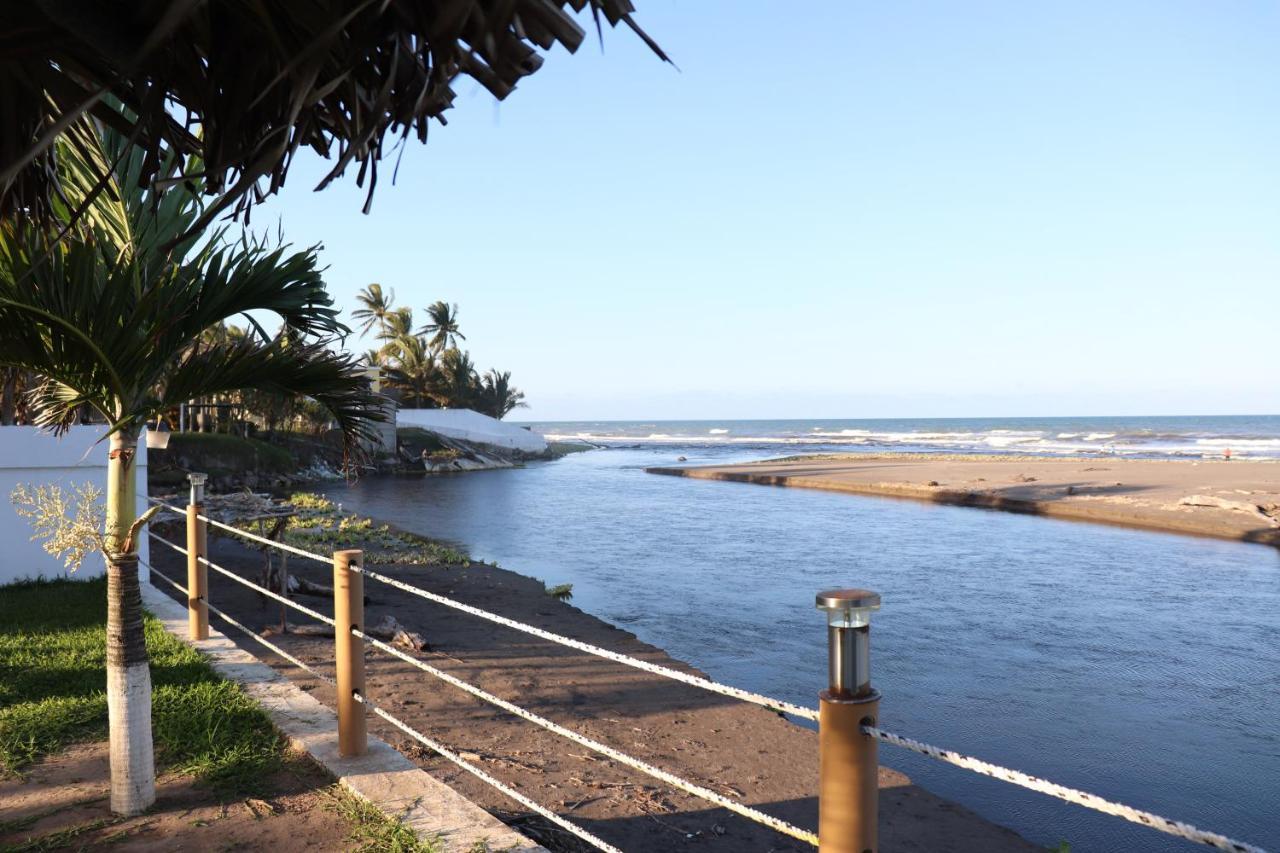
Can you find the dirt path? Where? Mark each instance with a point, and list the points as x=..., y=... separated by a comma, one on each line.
x=1228, y=500
x=64, y=801
x=738, y=749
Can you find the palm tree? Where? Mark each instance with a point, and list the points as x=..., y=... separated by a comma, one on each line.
x=458, y=385
x=397, y=328
x=498, y=398
x=376, y=306
x=113, y=318
x=415, y=373
x=443, y=328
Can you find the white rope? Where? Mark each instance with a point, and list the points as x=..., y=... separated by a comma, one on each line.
x=310, y=555
x=155, y=574
x=485, y=777
x=270, y=645
x=1071, y=795
x=264, y=641
x=160, y=538
x=268, y=593
x=320, y=558
x=676, y=675
x=671, y=779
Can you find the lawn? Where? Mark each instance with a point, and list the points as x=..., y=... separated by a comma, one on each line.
x=52, y=695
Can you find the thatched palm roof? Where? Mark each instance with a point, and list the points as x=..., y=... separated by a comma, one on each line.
x=243, y=84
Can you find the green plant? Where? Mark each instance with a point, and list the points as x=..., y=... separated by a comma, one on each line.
x=560, y=592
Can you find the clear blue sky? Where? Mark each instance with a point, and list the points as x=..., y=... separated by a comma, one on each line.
x=853, y=210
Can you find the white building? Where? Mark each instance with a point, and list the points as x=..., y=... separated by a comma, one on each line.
x=31, y=456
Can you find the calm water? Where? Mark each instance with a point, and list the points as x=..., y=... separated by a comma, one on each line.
x=1140, y=666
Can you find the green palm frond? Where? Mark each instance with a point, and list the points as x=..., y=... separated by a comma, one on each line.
x=333, y=380
x=117, y=318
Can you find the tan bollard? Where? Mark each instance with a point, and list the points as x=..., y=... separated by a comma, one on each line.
x=848, y=762
x=197, y=571
x=348, y=613
x=849, y=790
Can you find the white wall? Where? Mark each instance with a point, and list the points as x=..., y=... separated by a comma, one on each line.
x=472, y=426
x=32, y=456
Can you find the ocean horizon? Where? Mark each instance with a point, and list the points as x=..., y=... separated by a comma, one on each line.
x=1144, y=437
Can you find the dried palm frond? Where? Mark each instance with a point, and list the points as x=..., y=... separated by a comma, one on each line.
x=242, y=85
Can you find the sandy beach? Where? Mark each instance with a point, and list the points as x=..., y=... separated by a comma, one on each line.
x=1225, y=499
x=742, y=750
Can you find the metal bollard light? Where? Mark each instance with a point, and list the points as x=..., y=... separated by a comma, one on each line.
x=197, y=572
x=348, y=613
x=848, y=786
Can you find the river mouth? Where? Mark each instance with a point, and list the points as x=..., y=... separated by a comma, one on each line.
x=1140, y=666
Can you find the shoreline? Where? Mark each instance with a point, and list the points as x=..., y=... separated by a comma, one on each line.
x=765, y=759
x=1237, y=500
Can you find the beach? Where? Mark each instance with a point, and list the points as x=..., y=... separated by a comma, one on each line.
x=1225, y=499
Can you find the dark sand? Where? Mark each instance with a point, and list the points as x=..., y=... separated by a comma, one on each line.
x=1243, y=497
x=738, y=749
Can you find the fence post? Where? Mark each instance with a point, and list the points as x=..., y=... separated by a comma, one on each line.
x=197, y=572
x=848, y=760
x=348, y=613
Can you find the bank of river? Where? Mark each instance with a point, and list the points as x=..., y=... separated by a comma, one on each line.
x=1137, y=665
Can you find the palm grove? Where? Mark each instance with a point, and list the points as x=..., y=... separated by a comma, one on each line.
x=426, y=368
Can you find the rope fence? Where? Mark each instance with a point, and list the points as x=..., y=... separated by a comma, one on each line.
x=1071, y=795
x=617, y=657
x=595, y=745
x=155, y=573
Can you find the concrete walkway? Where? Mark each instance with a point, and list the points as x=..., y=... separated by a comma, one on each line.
x=383, y=776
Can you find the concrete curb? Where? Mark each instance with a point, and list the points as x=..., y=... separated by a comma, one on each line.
x=383, y=776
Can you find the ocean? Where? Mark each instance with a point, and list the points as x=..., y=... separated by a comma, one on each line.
x=1141, y=666
x=1246, y=436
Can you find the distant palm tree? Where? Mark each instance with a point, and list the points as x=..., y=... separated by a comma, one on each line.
x=376, y=305
x=415, y=374
x=114, y=318
x=498, y=398
x=396, y=329
x=443, y=328
x=458, y=386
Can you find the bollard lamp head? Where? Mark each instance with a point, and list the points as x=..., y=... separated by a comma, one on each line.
x=848, y=608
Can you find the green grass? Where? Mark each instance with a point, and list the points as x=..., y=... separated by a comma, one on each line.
x=52, y=691
x=374, y=832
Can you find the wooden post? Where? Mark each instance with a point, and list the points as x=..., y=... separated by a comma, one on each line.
x=848, y=774
x=348, y=613
x=197, y=571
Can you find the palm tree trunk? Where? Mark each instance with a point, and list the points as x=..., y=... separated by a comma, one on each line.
x=133, y=774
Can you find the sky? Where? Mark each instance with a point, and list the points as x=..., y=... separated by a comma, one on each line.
x=851, y=209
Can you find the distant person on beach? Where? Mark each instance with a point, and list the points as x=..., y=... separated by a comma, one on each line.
x=1226, y=454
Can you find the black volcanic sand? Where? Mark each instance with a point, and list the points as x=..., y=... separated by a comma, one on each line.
x=741, y=750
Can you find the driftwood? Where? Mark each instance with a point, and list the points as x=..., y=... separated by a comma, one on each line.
x=1235, y=506
x=388, y=629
